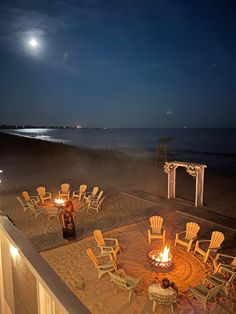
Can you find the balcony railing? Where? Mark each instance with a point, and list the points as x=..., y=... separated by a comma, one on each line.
x=27, y=283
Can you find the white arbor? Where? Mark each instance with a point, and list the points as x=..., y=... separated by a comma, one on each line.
x=195, y=170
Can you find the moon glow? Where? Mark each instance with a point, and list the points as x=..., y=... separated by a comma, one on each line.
x=33, y=43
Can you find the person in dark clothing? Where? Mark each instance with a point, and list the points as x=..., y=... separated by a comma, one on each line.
x=68, y=221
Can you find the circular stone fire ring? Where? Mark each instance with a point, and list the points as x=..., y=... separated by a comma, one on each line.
x=155, y=260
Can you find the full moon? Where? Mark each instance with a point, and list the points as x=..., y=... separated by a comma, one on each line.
x=33, y=43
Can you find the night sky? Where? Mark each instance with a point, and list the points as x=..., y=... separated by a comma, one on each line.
x=118, y=63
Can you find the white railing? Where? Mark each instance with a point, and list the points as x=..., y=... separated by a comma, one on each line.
x=27, y=283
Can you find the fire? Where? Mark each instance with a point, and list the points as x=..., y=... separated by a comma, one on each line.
x=164, y=256
x=59, y=201
x=161, y=260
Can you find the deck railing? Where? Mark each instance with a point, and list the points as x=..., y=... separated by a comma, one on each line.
x=28, y=285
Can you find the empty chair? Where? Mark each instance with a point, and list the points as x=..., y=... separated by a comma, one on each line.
x=99, y=263
x=88, y=195
x=224, y=260
x=106, y=245
x=65, y=191
x=28, y=197
x=157, y=231
x=24, y=204
x=123, y=281
x=80, y=193
x=217, y=238
x=203, y=294
x=95, y=205
x=36, y=210
x=224, y=276
x=187, y=237
x=43, y=194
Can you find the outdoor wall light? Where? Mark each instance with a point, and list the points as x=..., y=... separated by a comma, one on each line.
x=14, y=251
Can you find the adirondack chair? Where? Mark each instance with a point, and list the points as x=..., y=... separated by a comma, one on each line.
x=224, y=260
x=65, y=191
x=80, y=193
x=88, y=195
x=94, y=205
x=123, y=281
x=167, y=300
x=106, y=245
x=214, y=244
x=102, y=267
x=28, y=197
x=24, y=204
x=43, y=194
x=190, y=234
x=35, y=210
x=156, y=231
x=224, y=276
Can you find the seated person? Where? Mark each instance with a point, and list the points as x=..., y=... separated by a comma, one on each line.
x=164, y=288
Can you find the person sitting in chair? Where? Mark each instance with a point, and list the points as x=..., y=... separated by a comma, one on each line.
x=164, y=288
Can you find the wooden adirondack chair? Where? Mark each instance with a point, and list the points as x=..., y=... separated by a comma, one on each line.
x=156, y=231
x=224, y=276
x=65, y=191
x=203, y=294
x=190, y=234
x=43, y=194
x=102, y=268
x=106, y=245
x=168, y=300
x=123, y=281
x=224, y=260
x=88, y=195
x=36, y=210
x=24, y=204
x=28, y=197
x=94, y=206
x=80, y=193
x=217, y=238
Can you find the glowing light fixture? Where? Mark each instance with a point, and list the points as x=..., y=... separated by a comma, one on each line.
x=14, y=251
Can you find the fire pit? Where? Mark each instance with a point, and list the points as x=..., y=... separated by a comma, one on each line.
x=59, y=201
x=161, y=260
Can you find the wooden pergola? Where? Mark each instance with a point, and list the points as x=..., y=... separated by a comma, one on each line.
x=195, y=170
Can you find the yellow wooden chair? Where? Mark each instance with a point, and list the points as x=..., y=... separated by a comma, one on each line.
x=99, y=264
x=217, y=238
x=28, y=197
x=106, y=245
x=186, y=238
x=157, y=231
x=64, y=191
x=44, y=196
x=80, y=193
x=24, y=204
x=224, y=260
x=123, y=281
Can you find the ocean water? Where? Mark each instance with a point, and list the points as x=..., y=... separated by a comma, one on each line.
x=214, y=147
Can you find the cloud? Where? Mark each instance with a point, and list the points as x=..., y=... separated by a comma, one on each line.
x=169, y=112
x=22, y=22
x=65, y=56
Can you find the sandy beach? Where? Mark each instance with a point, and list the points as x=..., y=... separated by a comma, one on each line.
x=134, y=189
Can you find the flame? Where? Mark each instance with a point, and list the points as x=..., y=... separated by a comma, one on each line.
x=59, y=201
x=164, y=256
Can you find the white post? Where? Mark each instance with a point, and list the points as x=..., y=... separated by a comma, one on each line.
x=171, y=183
